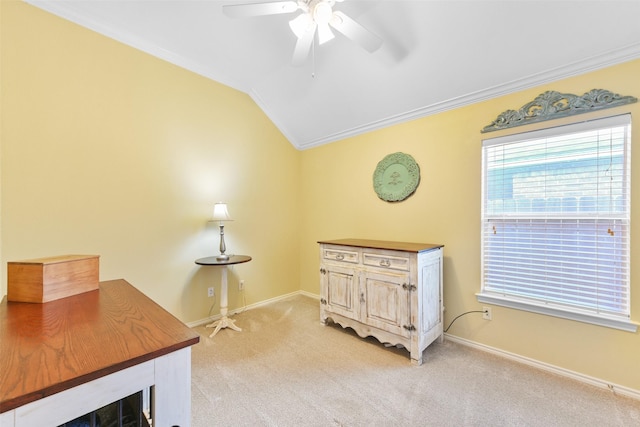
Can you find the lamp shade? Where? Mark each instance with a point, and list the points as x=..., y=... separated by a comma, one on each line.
x=220, y=212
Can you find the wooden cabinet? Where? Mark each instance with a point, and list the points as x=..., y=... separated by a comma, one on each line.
x=389, y=290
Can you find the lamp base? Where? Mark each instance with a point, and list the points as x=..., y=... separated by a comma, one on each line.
x=222, y=257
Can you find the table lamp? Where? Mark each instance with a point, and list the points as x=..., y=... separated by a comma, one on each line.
x=221, y=214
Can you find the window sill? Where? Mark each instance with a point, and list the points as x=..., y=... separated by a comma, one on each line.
x=585, y=317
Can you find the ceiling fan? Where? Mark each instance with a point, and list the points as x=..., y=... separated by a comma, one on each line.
x=317, y=16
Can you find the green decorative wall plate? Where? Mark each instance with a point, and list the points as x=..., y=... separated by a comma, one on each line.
x=396, y=177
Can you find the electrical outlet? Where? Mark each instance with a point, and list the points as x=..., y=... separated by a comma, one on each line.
x=241, y=285
x=486, y=313
x=211, y=292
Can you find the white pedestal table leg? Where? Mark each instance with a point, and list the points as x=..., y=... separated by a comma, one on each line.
x=224, y=321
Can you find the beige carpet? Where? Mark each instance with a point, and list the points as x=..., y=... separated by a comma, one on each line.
x=286, y=369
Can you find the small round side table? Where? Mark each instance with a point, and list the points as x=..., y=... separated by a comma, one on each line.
x=224, y=321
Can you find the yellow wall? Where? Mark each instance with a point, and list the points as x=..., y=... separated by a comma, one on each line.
x=339, y=201
x=107, y=150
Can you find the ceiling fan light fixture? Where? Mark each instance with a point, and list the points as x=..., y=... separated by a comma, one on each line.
x=317, y=22
x=301, y=24
x=336, y=20
x=322, y=13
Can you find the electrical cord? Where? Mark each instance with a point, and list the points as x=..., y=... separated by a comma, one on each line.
x=212, y=305
x=468, y=312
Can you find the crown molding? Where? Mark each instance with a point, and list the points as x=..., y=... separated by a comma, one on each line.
x=608, y=59
x=65, y=10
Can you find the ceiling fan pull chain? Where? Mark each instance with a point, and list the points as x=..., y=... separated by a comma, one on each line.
x=313, y=60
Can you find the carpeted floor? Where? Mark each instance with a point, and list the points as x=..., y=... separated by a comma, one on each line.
x=286, y=369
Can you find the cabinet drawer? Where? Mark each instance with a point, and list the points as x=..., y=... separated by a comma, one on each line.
x=386, y=261
x=340, y=255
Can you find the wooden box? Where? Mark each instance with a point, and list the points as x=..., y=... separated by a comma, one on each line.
x=47, y=279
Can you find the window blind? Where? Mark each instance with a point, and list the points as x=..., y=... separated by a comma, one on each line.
x=556, y=217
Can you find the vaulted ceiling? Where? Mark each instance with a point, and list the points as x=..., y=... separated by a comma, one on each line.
x=436, y=54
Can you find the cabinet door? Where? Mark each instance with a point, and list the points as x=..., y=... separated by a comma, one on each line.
x=385, y=302
x=339, y=287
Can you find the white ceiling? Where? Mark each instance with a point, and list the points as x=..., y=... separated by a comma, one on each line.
x=436, y=55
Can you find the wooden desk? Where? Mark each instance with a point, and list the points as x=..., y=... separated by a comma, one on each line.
x=62, y=359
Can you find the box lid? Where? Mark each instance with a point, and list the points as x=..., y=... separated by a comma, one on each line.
x=54, y=259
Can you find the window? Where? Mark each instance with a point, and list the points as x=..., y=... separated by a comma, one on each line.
x=555, y=221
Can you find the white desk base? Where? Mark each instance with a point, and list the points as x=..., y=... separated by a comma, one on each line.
x=170, y=376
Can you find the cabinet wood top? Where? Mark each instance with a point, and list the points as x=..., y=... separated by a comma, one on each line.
x=50, y=347
x=383, y=244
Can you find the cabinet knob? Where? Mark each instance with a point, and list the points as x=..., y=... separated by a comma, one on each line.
x=339, y=257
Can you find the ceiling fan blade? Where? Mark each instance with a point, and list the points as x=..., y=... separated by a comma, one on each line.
x=355, y=31
x=303, y=45
x=324, y=34
x=258, y=9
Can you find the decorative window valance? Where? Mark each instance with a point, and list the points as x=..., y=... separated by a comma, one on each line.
x=554, y=105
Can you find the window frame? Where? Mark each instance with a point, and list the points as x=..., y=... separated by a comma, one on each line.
x=617, y=321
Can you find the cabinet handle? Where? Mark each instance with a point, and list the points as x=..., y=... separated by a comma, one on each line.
x=323, y=301
x=409, y=287
x=339, y=257
x=409, y=327
x=385, y=263
x=362, y=297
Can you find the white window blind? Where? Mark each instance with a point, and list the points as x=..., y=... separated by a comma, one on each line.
x=555, y=213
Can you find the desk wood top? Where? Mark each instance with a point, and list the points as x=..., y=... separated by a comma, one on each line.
x=47, y=348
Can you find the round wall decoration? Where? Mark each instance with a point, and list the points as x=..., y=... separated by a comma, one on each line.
x=396, y=177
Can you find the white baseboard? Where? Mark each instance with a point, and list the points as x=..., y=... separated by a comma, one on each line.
x=309, y=294
x=251, y=306
x=614, y=388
